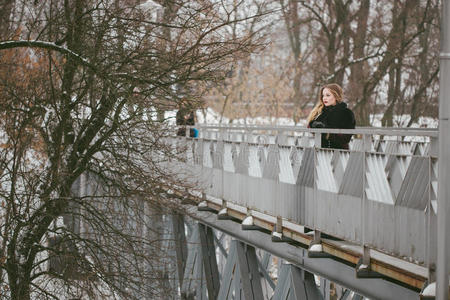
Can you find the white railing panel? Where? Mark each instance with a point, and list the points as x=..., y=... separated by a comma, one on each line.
x=207, y=157
x=244, y=189
x=396, y=230
x=287, y=203
x=395, y=171
x=231, y=187
x=216, y=187
x=271, y=169
x=252, y=192
x=265, y=196
x=339, y=164
x=338, y=215
x=414, y=191
x=254, y=168
x=189, y=146
x=286, y=173
x=377, y=187
x=228, y=164
x=295, y=159
x=325, y=180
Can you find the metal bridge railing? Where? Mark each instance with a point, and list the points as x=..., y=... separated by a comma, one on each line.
x=416, y=141
x=381, y=194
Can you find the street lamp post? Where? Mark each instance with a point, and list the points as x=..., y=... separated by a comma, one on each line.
x=443, y=215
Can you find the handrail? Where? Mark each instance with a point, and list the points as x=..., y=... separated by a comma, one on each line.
x=386, y=131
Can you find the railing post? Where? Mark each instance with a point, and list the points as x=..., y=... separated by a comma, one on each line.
x=365, y=262
x=434, y=146
x=281, y=138
x=431, y=230
x=317, y=139
x=317, y=235
x=367, y=142
x=277, y=210
x=220, y=149
x=315, y=249
x=200, y=152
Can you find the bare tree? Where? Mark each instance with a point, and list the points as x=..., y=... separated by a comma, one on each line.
x=257, y=29
x=80, y=167
x=359, y=71
x=367, y=46
x=260, y=89
x=422, y=70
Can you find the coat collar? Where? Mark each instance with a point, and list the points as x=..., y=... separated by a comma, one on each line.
x=338, y=106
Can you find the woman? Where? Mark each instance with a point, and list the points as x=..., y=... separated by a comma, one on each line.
x=331, y=112
x=186, y=117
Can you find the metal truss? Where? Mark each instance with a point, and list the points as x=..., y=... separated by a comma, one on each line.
x=247, y=272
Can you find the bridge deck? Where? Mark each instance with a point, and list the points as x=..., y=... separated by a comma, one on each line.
x=400, y=269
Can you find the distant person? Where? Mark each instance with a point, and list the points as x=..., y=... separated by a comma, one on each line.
x=331, y=112
x=186, y=117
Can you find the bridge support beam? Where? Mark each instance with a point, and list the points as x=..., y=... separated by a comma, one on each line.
x=296, y=284
x=335, y=271
x=194, y=279
x=209, y=260
x=201, y=273
x=180, y=245
x=241, y=274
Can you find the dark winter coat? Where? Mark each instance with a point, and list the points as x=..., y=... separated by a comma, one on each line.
x=337, y=116
x=185, y=117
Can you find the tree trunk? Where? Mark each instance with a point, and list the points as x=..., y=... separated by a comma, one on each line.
x=21, y=289
x=358, y=75
x=426, y=77
x=343, y=14
x=5, y=14
x=292, y=22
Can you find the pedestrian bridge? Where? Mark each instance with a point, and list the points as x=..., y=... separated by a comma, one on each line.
x=363, y=218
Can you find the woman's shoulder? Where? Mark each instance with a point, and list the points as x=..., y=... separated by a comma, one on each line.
x=342, y=116
x=341, y=108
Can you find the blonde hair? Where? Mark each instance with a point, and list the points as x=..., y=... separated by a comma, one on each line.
x=337, y=92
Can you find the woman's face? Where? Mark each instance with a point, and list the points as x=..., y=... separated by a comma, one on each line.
x=328, y=97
